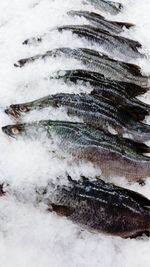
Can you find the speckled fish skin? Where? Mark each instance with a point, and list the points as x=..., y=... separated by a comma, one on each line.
x=114, y=155
x=95, y=61
x=107, y=6
x=98, y=112
x=102, y=207
x=97, y=20
x=114, y=45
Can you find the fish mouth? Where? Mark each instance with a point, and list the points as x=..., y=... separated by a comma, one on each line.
x=20, y=63
x=11, y=130
x=13, y=113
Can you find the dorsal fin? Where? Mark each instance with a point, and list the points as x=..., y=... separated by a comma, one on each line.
x=134, y=69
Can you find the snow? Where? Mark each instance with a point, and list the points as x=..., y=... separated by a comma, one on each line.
x=29, y=235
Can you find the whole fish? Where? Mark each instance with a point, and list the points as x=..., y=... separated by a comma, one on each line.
x=94, y=204
x=98, y=112
x=102, y=207
x=116, y=92
x=114, y=45
x=113, y=155
x=107, y=6
x=95, y=61
x=113, y=27
x=98, y=81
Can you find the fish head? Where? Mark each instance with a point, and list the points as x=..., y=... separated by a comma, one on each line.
x=32, y=130
x=17, y=110
x=13, y=130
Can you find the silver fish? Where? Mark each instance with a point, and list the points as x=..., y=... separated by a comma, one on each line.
x=113, y=155
x=95, y=61
x=113, y=27
x=98, y=112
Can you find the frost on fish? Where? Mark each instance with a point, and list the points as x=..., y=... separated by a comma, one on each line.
x=113, y=155
x=95, y=61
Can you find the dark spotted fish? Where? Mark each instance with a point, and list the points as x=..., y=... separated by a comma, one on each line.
x=116, y=46
x=95, y=61
x=107, y=6
x=98, y=112
x=102, y=207
x=99, y=21
x=113, y=155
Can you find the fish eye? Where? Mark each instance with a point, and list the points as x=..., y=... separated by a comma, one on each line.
x=15, y=130
x=23, y=109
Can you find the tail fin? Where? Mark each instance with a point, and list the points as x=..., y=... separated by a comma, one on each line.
x=133, y=89
x=136, y=112
x=139, y=130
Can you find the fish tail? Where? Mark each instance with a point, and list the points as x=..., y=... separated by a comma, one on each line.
x=140, y=131
x=134, y=90
x=137, y=112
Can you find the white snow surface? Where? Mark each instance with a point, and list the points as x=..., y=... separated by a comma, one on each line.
x=29, y=235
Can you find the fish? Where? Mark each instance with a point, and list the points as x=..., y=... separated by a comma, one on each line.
x=98, y=112
x=93, y=204
x=116, y=92
x=95, y=61
x=116, y=46
x=115, y=156
x=97, y=80
x=101, y=207
x=107, y=6
x=113, y=27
